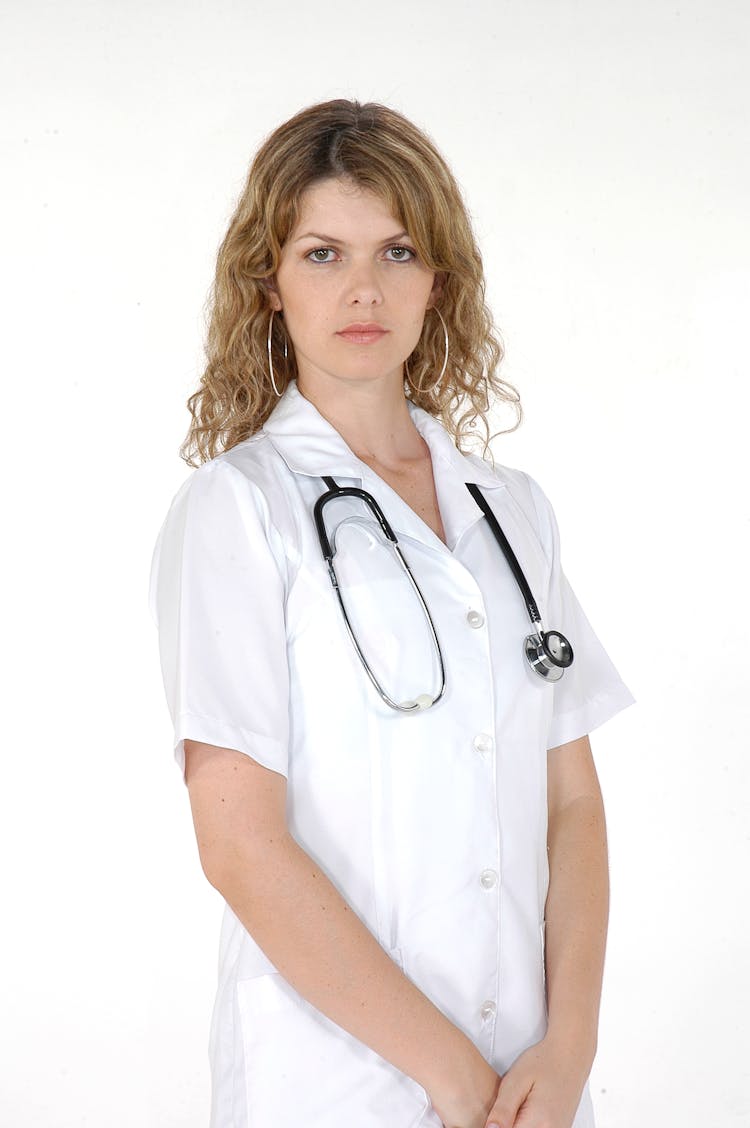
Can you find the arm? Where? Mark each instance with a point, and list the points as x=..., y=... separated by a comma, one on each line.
x=316, y=941
x=548, y=1079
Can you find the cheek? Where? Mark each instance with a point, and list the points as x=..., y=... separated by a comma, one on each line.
x=413, y=306
x=305, y=308
x=414, y=291
x=309, y=324
x=309, y=298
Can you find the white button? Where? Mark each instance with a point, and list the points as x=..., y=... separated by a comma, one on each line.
x=474, y=619
x=488, y=1009
x=483, y=742
x=488, y=879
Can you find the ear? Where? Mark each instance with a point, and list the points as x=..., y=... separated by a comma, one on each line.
x=437, y=290
x=273, y=294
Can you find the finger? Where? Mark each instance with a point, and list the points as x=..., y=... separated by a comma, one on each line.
x=512, y=1093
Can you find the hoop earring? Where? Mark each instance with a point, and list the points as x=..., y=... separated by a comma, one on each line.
x=270, y=357
x=445, y=336
x=442, y=370
x=445, y=358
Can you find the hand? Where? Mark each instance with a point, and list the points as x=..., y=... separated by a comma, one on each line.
x=541, y=1089
x=464, y=1102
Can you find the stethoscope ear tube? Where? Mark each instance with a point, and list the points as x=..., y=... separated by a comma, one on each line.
x=335, y=491
x=424, y=700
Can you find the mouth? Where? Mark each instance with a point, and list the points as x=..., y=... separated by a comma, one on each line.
x=362, y=334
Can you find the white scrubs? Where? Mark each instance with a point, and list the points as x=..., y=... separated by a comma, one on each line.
x=431, y=825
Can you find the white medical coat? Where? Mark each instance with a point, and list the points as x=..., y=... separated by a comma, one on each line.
x=431, y=825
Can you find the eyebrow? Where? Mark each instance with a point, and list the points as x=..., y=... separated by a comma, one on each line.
x=341, y=243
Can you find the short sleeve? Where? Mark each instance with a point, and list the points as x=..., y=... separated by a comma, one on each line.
x=217, y=595
x=591, y=691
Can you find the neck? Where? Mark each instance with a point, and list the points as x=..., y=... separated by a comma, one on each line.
x=372, y=418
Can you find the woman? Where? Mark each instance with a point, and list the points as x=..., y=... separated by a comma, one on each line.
x=378, y=820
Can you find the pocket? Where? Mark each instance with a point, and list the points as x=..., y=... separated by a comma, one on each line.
x=300, y=1067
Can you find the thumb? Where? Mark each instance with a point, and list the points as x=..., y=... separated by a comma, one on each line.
x=513, y=1091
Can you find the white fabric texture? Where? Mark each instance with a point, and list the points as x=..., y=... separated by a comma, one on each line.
x=431, y=825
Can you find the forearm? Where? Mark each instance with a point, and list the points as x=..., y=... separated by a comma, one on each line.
x=576, y=915
x=321, y=947
x=544, y=1085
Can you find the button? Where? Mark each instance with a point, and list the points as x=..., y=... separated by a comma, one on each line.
x=488, y=1010
x=488, y=879
x=474, y=619
x=483, y=742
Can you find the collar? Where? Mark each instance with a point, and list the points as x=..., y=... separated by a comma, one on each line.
x=310, y=445
x=307, y=442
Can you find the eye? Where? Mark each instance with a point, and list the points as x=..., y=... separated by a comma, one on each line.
x=401, y=254
x=319, y=254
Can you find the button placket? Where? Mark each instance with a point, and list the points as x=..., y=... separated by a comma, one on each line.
x=488, y=879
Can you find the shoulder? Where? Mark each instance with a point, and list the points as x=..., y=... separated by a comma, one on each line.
x=254, y=459
x=522, y=487
x=525, y=492
x=234, y=500
x=243, y=479
x=221, y=521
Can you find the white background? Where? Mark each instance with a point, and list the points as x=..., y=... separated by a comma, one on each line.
x=603, y=152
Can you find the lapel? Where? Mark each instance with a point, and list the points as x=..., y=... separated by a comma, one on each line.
x=452, y=470
x=310, y=445
x=306, y=441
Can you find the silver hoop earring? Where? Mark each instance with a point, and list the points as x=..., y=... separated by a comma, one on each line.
x=436, y=386
x=445, y=336
x=270, y=357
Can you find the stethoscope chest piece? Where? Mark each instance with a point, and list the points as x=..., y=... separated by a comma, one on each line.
x=548, y=653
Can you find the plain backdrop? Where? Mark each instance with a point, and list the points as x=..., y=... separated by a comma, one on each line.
x=602, y=149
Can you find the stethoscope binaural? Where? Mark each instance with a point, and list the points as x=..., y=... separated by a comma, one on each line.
x=548, y=653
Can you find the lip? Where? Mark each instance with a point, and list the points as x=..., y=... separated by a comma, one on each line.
x=362, y=333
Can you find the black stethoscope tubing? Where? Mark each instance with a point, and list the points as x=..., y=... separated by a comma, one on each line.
x=549, y=653
x=508, y=552
x=336, y=491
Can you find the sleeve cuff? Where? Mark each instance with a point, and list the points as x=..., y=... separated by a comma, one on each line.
x=589, y=716
x=268, y=752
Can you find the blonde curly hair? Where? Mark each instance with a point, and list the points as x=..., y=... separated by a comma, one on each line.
x=380, y=150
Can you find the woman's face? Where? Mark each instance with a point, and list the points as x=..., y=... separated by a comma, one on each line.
x=351, y=287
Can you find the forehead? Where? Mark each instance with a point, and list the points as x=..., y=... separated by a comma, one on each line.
x=345, y=203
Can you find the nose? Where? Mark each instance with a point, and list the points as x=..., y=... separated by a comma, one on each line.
x=363, y=285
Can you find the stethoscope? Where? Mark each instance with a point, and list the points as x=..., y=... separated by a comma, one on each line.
x=548, y=653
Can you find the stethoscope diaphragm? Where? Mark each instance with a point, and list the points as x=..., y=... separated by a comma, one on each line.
x=548, y=653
